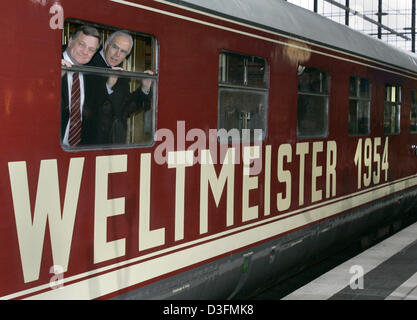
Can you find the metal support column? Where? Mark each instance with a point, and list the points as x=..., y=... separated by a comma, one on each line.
x=413, y=25
x=379, y=24
x=379, y=19
x=347, y=13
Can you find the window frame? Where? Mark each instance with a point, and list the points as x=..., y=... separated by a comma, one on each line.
x=244, y=87
x=325, y=94
x=128, y=74
x=396, y=104
x=413, y=106
x=358, y=98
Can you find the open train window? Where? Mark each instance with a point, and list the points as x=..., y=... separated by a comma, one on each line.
x=112, y=87
x=359, y=106
x=413, y=112
x=313, y=102
x=392, y=109
x=243, y=95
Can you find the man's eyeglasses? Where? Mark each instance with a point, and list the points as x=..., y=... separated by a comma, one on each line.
x=83, y=45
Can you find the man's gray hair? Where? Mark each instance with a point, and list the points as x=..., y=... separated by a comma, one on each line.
x=123, y=33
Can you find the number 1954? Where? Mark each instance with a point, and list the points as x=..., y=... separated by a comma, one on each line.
x=368, y=153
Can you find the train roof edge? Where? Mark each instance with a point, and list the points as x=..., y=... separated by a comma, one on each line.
x=294, y=21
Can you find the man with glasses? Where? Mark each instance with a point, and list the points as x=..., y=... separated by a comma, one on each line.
x=77, y=116
x=113, y=99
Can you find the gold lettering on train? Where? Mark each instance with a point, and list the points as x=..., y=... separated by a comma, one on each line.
x=370, y=162
x=249, y=183
x=284, y=176
x=180, y=160
x=31, y=231
x=105, y=208
x=147, y=238
x=208, y=177
x=315, y=160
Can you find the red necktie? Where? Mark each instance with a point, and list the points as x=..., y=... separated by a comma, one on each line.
x=74, y=137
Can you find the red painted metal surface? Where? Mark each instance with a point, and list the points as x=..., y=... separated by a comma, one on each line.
x=187, y=91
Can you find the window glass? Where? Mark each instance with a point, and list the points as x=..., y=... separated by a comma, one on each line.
x=242, y=109
x=313, y=102
x=413, y=112
x=359, y=106
x=237, y=69
x=392, y=109
x=364, y=88
x=118, y=87
x=243, y=95
x=256, y=72
x=232, y=69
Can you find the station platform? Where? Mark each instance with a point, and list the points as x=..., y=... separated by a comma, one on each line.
x=385, y=271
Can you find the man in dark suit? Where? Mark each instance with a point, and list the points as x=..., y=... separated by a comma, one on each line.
x=77, y=116
x=113, y=100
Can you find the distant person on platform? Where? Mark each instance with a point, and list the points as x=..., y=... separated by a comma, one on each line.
x=78, y=121
x=115, y=102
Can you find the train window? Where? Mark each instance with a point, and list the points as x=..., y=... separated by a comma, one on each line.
x=243, y=95
x=359, y=106
x=392, y=109
x=413, y=112
x=117, y=86
x=313, y=102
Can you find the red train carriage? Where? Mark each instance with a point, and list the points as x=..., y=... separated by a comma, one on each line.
x=272, y=136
